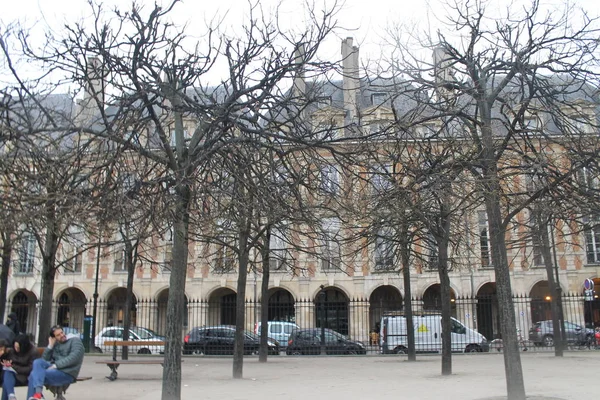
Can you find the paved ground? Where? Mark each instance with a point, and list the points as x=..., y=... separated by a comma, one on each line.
x=475, y=377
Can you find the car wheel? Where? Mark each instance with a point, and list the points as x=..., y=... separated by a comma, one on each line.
x=473, y=348
x=400, y=350
x=548, y=341
x=353, y=352
x=198, y=352
x=97, y=349
x=144, y=351
x=295, y=352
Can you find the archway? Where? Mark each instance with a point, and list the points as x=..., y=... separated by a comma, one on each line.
x=592, y=306
x=221, y=307
x=384, y=299
x=541, y=309
x=71, y=308
x=160, y=325
x=331, y=306
x=488, y=317
x=115, y=308
x=24, y=304
x=432, y=299
x=281, y=306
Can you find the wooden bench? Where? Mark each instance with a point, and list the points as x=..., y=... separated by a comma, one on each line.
x=114, y=363
x=59, y=391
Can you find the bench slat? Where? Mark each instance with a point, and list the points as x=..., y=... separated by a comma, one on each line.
x=111, y=362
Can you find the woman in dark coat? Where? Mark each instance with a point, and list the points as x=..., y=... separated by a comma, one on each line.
x=18, y=366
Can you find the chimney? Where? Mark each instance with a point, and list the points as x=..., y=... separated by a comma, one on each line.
x=93, y=97
x=299, y=82
x=351, y=81
x=442, y=68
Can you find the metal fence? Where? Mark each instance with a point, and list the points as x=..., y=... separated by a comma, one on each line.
x=357, y=319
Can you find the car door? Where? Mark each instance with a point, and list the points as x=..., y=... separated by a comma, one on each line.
x=309, y=341
x=334, y=344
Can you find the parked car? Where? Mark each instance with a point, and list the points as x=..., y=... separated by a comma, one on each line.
x=220, y=340
x=111, y=333
x=278, y=330
x=308, y=341
x=542, y=333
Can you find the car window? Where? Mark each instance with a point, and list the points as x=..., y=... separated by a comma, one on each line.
x=109, y=333
x=569, y=325
x=331, y=337
x=276, y=328
x=457, y=327
x=306, y=335
x=288, y=328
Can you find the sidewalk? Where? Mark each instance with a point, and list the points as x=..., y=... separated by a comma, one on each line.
x=475, y=377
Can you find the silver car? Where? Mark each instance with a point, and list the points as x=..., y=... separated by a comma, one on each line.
x=542, y=333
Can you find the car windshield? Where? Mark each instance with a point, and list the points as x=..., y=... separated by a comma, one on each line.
x=142, y=333
x=251, y=335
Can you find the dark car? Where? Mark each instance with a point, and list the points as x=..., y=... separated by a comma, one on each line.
x=542, y=333
x=220, y=340
x=308, y=341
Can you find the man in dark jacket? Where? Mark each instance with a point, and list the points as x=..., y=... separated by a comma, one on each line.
x=13, y=323
x=59, y=365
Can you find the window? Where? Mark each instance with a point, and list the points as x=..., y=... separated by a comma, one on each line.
x=426, y=130
x=538, y=257
x=119, y=261
x=330, y=179
x=384, y=251
x=173, y=138
x=484, y=239
x=168, y=257
x=378, y=98
x=588, y=179
x=277, y=257
x=224, y=259
x=592, y=239
x=431, y=252
x=26, y=253
x=381, y=177
x=73, y=264
x=326, y=130
x=330, y=259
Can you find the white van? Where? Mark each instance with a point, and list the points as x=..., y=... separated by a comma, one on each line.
x=428, y=335
x=278, y=330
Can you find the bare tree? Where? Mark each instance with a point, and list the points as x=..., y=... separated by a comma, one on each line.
x=491, y=80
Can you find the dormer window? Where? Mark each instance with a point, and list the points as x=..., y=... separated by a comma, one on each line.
x=378, y=98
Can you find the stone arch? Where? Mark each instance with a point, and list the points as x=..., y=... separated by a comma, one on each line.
x=385, y=298
x=221, y=307
x=115, y=307
x=160, y=322
x=488, y=316
x=332, y=309
x=24, y=304
x=432, y=299
x=539, y=294
x=282, y=305
x=71, y=308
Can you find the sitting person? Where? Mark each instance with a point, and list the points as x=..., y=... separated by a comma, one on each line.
x=4, y=348
x=59, y=365
x=18, y=365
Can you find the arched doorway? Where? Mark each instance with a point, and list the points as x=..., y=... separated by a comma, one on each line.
x=541, y=306
x=24, y=304
x=281, y=306
x=221, y=307
x=383, y=300
x=115, y=308
x=432, y=299
x=592, y=307
x=488, y=318
x=161, y=317
x=71, y=308
x=332, y=310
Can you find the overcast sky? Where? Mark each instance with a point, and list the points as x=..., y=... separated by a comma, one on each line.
x=365, y=20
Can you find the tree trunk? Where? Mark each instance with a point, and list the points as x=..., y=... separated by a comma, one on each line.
x=542, y=224
x=408, y=313
x=130, y=264
x=240, y=304
x=7, y=247
x=264, y=299
x=171, y=389
x=442, y=244
x=491, y=192
x=48, y=275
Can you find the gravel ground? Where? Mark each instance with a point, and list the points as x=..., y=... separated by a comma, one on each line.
x=474, y=377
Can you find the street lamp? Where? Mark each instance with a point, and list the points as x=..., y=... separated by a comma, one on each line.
x=322, y=300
